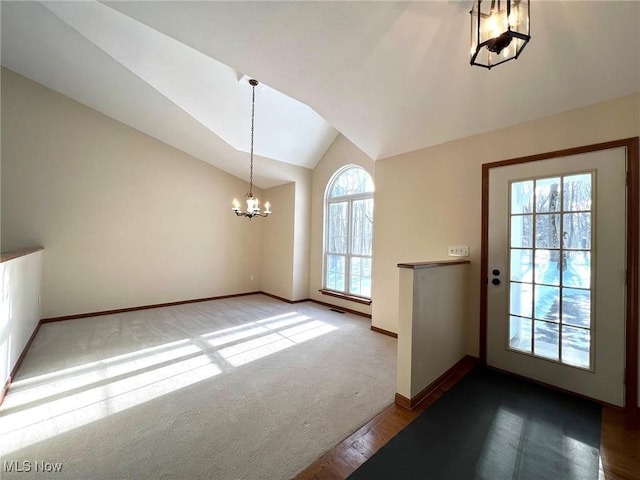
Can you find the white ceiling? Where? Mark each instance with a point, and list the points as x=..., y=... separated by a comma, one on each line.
x=390, y=76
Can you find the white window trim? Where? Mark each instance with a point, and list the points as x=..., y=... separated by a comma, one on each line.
x=350, y=198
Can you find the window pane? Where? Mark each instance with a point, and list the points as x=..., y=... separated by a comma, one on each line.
x=365, y=287
x=337, y=239
x=546, y=267
x=577, y=269
x=360, y=278
x=362, y=227
x=352, y=180
x=522, y=197
x=547, y=303
x=548, y=195
x=548, y=231
x=576, y=307
x=366, y=267
x=520, y=334
x=546, y=340
x=354, y=285
x=336, y=272
x=521, y=230
x=356, y=266
x=577, y=192
x=577, y=230
x=576, y=343
x=521, y=265
x=520, y=301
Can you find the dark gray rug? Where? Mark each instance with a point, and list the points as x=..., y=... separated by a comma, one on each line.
x=494, y=426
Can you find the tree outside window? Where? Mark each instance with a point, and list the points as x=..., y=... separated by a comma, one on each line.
x=349, y=232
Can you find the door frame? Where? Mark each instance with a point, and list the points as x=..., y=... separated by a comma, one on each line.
x=633, y=265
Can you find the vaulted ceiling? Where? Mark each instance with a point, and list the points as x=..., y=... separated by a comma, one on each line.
x=392, y=77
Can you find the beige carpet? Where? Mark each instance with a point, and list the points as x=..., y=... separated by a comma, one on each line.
x=243, y=388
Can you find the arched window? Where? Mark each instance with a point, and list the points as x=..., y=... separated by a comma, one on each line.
x=349, y=232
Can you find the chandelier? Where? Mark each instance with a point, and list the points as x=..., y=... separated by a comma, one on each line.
x=253, y=204
x=499, y=31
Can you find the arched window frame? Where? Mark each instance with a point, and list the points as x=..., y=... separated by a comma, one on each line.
x=356, y=284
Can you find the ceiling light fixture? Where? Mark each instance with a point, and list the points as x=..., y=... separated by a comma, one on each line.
x=253, y=204
x=499, y=31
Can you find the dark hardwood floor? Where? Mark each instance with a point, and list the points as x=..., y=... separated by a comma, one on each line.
x=619, y=448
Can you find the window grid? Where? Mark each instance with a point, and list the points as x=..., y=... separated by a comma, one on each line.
x=352, y=187
x=531, y=287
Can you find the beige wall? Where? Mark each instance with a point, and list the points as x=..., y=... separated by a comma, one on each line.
x=125, y=219
x=431, y=324
x=278, y=241
x=428, y=199
x=285, y=265
x=341, y=153
x=302, y=236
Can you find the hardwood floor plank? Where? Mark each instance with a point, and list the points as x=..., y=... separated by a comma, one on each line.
x=344, y=466
x=354, y=458
x=366, y=446
x=620, y=445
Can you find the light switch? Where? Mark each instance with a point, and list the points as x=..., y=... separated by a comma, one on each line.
x=458, y=250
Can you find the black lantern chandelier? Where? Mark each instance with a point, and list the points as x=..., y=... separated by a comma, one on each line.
x=499, y=31
x=253, y=204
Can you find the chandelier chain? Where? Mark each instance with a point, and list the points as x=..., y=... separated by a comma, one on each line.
x=253, y=204
x=253, y=117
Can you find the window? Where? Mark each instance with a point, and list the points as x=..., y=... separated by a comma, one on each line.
x=349, y=233
x=551, y=269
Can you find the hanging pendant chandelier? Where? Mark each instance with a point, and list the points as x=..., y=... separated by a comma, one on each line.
x=499, y=31
x=253, y=204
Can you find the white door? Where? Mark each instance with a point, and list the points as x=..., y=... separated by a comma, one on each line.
x=556, y=266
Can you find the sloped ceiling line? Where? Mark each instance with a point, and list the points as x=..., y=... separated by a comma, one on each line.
x=206, y=89
x=392, y=76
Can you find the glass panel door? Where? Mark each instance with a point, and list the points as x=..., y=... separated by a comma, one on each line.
x=550, y=268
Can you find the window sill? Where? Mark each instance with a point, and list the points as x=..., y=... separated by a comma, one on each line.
x=344, y=296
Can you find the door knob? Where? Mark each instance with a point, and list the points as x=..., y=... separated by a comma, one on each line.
x=496, y=272
x=496, y=281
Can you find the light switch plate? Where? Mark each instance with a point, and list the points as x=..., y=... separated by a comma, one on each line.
x=458, y=250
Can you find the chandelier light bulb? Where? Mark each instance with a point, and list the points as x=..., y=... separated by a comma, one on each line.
x=250, y=205
x=499, y=31
x=492, y=26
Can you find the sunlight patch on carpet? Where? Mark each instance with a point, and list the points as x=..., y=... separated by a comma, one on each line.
x=240, y=332
x=20, y=426
x=43, y=406
x=260, y=347
x=55, y=383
